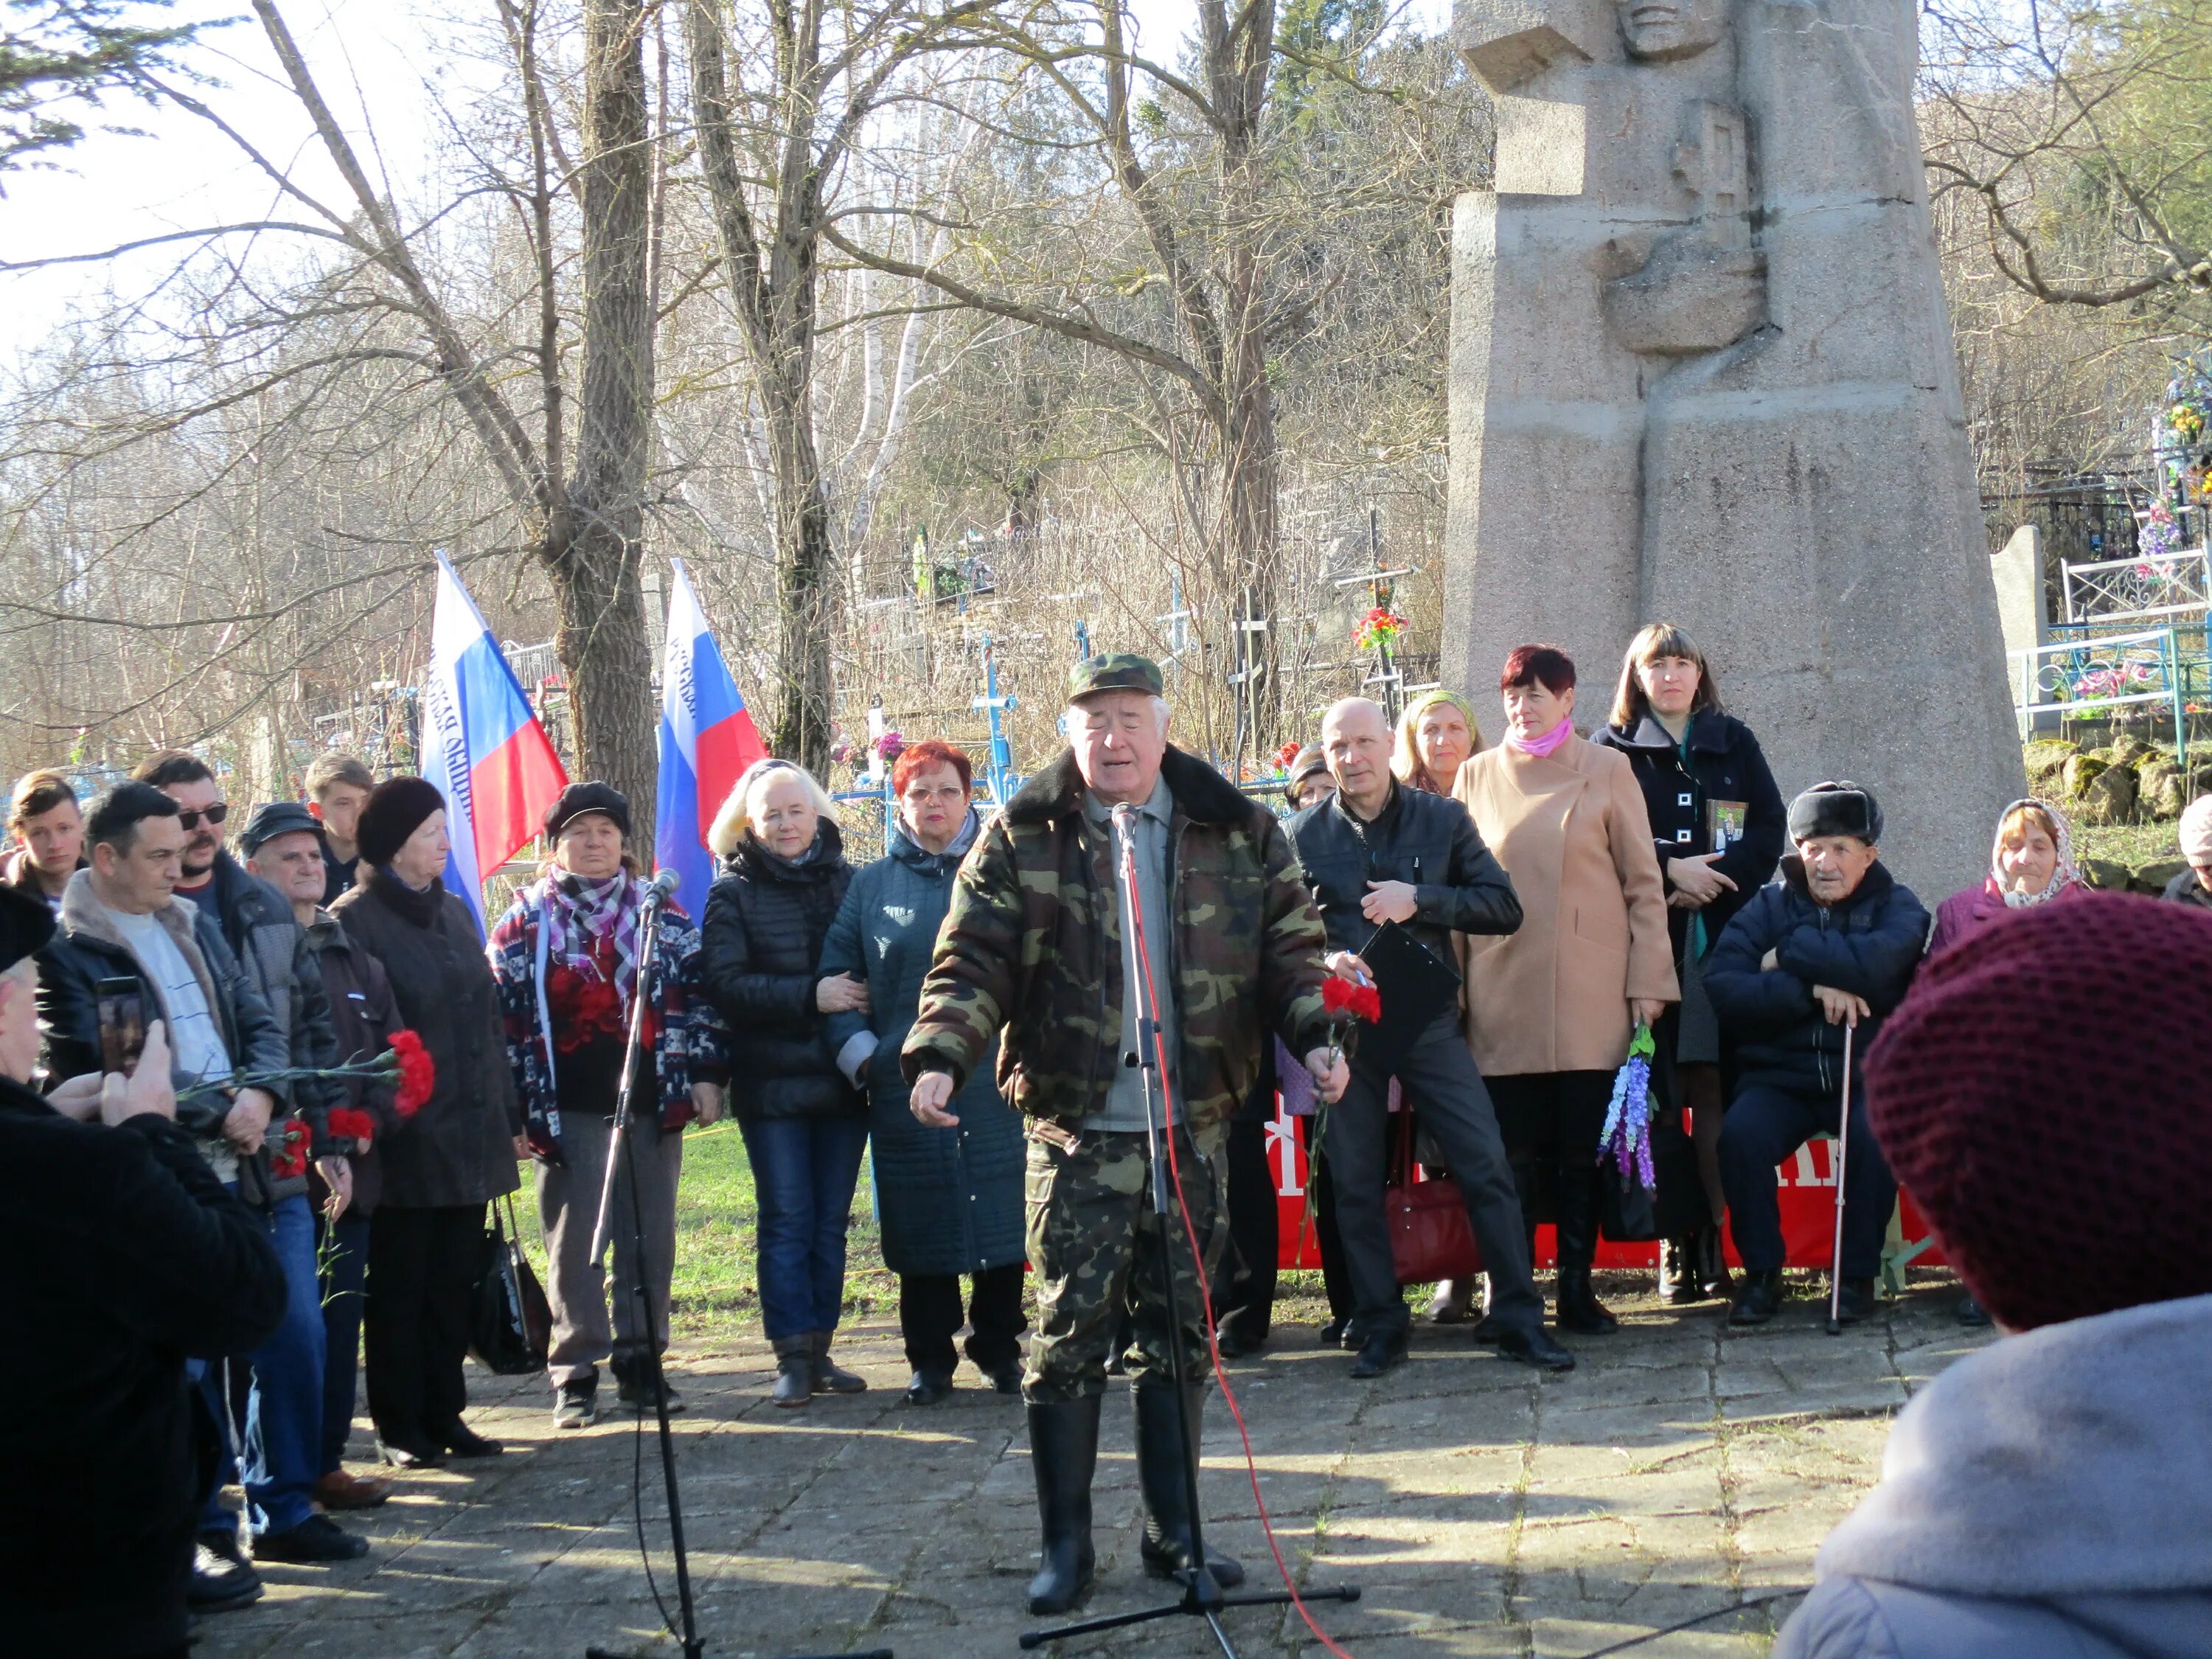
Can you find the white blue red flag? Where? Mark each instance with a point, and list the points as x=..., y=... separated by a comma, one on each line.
x=707, y=741
x=481, y=744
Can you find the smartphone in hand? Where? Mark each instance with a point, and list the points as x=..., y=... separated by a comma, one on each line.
x=122, y=1012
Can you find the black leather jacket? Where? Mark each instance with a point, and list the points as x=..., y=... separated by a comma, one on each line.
x=1426, y=840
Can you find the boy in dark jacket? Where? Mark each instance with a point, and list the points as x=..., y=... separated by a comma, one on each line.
x=1830, y=946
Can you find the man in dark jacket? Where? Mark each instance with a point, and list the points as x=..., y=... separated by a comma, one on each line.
x=1038, y=942
x=120, y=918
x=283, y=848
x=1378, y=852
x=2194, y=884
x=1832, y=944
x=283, y=1398
x=142, y=1258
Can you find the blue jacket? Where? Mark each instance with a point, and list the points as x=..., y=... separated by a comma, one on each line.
x=950, y=1200
x=1868, y=945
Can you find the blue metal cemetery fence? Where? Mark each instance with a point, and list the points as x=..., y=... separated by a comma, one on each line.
x=2086, y=677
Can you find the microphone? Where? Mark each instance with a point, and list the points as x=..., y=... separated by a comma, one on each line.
x=662, y=887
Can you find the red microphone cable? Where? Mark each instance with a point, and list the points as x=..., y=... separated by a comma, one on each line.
x=1197, y=1254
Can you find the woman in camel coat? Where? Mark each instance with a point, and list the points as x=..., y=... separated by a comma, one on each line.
x=1551, y=1007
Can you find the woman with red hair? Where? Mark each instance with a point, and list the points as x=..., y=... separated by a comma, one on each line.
x=950, y=1200
x=1551, y=1007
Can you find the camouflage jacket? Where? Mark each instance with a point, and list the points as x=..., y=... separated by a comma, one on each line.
x=1033, y=944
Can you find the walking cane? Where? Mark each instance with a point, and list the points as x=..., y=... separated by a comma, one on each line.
x=1843, y=1163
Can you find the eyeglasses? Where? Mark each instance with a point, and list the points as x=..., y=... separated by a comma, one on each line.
x=215, y=814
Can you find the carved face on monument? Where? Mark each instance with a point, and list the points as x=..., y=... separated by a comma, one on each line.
x=1660, y=31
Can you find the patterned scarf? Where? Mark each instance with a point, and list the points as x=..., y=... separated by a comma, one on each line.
x=581, y=913
x=2063, y=877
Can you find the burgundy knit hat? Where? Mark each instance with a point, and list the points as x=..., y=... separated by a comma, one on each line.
x=2046, y=1095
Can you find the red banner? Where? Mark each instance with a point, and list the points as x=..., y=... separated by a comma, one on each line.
x=1806, y=1188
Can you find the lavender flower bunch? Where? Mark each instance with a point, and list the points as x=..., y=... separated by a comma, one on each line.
x=1626, y=1137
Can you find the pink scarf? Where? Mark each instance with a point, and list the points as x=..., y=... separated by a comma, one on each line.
x=1544, y=746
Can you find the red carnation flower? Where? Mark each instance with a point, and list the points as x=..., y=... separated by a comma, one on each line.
x=1343, y=996
x=353, y=1124
x=418, y=1073
x=288, y=1159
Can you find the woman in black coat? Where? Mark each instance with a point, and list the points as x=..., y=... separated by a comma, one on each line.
x=1717, y=824
x=454, y=1155
x=783, y=876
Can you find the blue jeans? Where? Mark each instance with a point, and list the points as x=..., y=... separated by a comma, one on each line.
x=345, y=1263
x=805, y=1169
x=281, y=1443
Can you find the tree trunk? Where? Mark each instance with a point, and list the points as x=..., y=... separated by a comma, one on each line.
x=594, y=539
x=807, y=593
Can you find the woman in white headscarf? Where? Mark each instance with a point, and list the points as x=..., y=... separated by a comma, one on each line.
x=2031, y=863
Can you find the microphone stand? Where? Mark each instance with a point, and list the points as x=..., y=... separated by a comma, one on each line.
x=645, y=1352
x=1202, y=1596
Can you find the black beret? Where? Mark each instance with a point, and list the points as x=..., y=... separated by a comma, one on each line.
x=396, y=810
x=26, y=925
x=578, y=799
x=273, y=818
x=1836, y=809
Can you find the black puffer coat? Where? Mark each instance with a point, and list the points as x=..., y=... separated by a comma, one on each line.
x=459, y=1149
x=1868, y=944
x=766, y=920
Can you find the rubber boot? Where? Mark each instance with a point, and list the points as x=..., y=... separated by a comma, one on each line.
x=1063, y=1452
x=1162, y=1462
x=794, y=1370
x=1578, y=1308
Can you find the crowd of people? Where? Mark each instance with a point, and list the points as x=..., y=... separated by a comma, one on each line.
x=1003, y=1013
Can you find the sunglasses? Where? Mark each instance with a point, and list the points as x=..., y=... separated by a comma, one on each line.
x=215, y=814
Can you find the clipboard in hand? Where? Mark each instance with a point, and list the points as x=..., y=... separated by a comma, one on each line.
x=1416, y=985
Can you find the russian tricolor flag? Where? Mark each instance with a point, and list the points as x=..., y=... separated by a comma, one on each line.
x=481, y=746
x=707, y=741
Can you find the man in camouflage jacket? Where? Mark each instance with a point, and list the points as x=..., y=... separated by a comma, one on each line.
x=1037, y=944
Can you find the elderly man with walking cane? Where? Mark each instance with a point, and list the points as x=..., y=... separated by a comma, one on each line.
x=1039, y=941
x=1802, y=977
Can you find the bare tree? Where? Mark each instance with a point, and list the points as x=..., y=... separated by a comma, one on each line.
x=770, y=152
x=2083, y=139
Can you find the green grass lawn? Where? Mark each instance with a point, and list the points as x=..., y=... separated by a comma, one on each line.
x=714, y=1213
x=715, y=1217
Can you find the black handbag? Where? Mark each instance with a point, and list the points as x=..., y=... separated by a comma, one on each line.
x=510, y=1322
x=1627, y=1210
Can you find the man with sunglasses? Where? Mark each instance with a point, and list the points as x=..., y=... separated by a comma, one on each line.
x=284, y=1455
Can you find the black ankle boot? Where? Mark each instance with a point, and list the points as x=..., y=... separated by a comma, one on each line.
x=1677, y=1280
x=1063, y=1452
x=1709, y=1264
x=1578, y=1309
x=1758, y=1299
x=1161, y=1462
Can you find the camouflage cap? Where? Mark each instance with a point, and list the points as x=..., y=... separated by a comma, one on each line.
x=1117, y=670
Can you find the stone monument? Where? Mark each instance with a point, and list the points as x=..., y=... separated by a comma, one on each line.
x=1701, y=370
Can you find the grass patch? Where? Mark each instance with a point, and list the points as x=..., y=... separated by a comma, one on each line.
x=2127, y=843
x=715, y=1216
